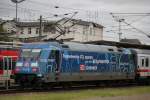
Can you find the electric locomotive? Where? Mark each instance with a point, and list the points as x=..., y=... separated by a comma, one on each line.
x=54, y=62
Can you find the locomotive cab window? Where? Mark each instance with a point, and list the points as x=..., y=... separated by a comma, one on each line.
x=35, y=53
x=31, y=53
x=26, y=53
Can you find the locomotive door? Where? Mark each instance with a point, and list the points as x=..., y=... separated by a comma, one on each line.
x=57, y=61
x=7, y=66
x=54, y=64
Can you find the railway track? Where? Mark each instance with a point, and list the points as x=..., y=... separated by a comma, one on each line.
x=15, y=90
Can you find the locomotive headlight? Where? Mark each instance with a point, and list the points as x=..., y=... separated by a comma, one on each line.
x=19, y=64
x=35, y=64
x=39, y=75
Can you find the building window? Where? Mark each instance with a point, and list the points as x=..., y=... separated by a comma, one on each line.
x=74, y=30
x=94, y=31
x=142, y=62
x=37, y=30
x=29, y=30
x=146, y=62
x=91, y=30
x=22, y=30
x=8, y=30
x=84, y=30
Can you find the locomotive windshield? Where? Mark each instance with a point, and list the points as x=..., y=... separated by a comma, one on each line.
x=30, y=53
x=35, y=53
x=26, y=53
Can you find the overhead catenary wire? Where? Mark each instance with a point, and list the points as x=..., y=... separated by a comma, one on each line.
x=51, y=5
x=48, y=5
x=139, y=30
x=30, y=11
x=134, y=21
x=131, y=13
x=117, y=30
x=67, y=8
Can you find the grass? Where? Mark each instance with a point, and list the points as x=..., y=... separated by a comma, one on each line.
x=79, y=94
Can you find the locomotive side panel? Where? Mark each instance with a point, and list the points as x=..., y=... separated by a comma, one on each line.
x=75, y=62
x=85, y=66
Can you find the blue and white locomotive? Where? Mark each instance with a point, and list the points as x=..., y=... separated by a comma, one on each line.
x=53, y=62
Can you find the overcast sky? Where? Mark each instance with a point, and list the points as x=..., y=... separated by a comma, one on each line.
x=90, y=10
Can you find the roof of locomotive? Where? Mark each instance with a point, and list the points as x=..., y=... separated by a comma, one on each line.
x=74, y=46
x=41, y=45
x=88, y=47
